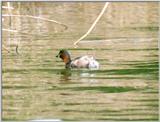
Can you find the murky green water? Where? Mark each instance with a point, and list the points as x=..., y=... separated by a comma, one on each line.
x=37, y=86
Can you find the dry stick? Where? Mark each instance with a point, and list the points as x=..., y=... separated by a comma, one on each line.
x=93, y=25
x=6, y=7
x=6, y=49
x=15, y=31
x=17, y=49
x=9, y=30
x=10, y=12
x=35, y=17
x=17, y=46
x=6, y=15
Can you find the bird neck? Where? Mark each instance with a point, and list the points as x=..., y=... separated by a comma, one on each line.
x=66, y=59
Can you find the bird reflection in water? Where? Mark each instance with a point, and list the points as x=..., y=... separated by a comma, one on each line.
x=65, y=75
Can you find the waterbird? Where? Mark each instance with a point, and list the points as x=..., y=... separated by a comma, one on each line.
x=79, y=62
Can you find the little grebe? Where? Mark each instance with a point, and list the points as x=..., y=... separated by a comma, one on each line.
x=79, y=62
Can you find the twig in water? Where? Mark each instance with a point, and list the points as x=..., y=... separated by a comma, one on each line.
x=93, y=25
x=10, y=13
x=35, y=17
x=15, y=31
x=17, y=49
x=6, y=7
x=9, y=30
x=5, y=49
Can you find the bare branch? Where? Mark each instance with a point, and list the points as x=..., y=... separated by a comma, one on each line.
x=6, y=7
x=93, y=25
x=17, y=49
x=9, y=30
x=5, y=49
x=35, y=17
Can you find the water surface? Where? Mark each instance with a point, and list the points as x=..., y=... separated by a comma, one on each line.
x=125, y=42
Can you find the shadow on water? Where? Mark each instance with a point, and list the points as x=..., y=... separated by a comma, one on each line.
x=103, y=89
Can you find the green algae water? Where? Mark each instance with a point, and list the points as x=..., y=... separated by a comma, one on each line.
x=35, y=84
